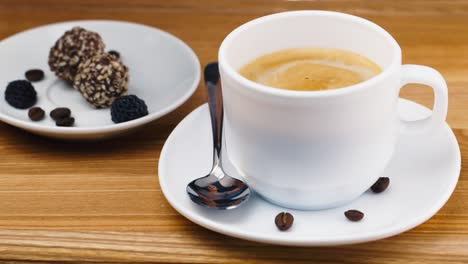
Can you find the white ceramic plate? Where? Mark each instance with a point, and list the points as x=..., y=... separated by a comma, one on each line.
x=423, y=175
x=164, y=72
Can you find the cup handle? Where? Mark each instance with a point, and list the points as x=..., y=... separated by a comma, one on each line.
x=431, y=77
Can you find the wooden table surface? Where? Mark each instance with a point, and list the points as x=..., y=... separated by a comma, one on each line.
x=101, y=202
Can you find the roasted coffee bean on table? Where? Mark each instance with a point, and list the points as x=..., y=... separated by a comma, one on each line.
x=65, y=122
x=60, y=113
x=354, y=215
x=380, y=185
x=284, y=221
x=34, y=75
x=36, y=114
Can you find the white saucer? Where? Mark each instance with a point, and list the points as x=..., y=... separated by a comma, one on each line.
x=423, y=175
x=164, y=72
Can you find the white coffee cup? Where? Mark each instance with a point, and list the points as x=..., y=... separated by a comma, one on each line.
x=318, y=149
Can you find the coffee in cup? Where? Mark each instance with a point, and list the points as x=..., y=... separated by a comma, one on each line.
x=310, y=69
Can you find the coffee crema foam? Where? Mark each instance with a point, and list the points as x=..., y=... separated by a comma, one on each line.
x=310, y=69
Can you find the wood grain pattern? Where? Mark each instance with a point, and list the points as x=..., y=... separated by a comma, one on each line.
x=101, y=202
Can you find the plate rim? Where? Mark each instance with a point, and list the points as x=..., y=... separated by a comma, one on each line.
x=112, y=127
x=305, y=241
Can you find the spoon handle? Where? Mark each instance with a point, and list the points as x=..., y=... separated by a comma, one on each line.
x=215, y=103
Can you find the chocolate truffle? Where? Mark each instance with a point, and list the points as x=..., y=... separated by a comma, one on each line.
x=101, y=79
x=128, y=107
x=72, y=48
x=20, y=94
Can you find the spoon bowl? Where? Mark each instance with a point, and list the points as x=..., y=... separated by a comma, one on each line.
x=212, y=192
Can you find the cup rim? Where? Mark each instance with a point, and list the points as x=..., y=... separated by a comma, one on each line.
x=227, y=67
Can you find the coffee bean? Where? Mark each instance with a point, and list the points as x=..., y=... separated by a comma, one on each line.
x=284, y=221
x=36, y=113
x=380, y=185
x=34, y=75
x=60, y=113
x=65, y=122
x=114, y=53
x=354, y=215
